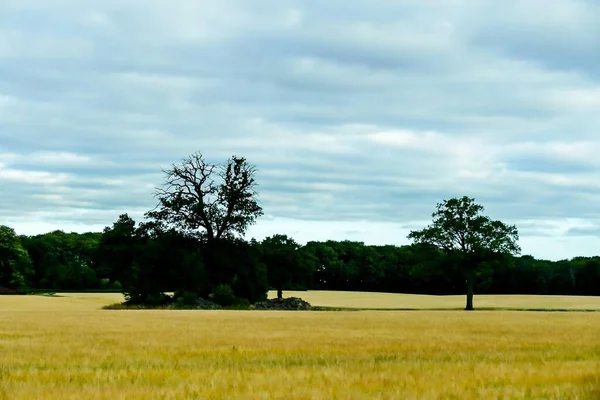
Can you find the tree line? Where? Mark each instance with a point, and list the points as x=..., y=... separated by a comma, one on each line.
x=193, y=244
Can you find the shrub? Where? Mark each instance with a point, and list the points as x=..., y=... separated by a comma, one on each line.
x=160, y=299
x=148, y=299
x=187, y=299
x=241, y=303
x=223, y=295
x=116, y=285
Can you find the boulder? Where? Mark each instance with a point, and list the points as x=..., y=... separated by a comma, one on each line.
x=202, y=304
x=289, y=303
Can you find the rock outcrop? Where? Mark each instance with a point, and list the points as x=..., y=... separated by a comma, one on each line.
x=290, y=303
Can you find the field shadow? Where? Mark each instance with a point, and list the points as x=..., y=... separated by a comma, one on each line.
x=590, y=387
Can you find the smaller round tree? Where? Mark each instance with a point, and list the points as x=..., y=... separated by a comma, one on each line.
x=470, y=240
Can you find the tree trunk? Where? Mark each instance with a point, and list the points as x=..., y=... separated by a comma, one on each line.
x=280, y=294
x=470, y=284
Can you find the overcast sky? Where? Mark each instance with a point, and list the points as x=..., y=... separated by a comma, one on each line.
x=360, y=115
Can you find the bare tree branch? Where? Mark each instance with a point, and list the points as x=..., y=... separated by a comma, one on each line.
x=191, y=199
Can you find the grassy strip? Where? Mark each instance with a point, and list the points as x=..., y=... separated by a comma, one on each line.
x=327, y=308
x=37, y=291
x=121, y=306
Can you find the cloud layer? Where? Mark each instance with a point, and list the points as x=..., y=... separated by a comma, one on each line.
x=360, y=115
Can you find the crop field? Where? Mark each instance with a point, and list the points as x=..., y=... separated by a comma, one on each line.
x=67, y=347
x=420, y=302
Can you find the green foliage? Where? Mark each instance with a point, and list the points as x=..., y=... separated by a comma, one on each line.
x=15, y=262
x=236, y=263
x=151, y=299
x=186, y=298
x=223, y=295
x=167, y=254
x=287, y=266
x=116, y=285
x=330, y=270
x=190, y=242
x=241, y=303
x=166, y=265
x=107, y=285
x=63, y=260
x=117, y=250
x=473, y=243
x=459, y=227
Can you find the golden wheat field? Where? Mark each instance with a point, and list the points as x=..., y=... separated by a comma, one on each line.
x=69, y=348
x=415, y=301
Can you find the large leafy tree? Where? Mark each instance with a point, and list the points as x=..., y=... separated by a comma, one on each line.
x=212, y=201
x=63, y=260
x=286, y=263
x=116, y=250
x=203, y=211
x=330, y=271
x=15, y=264
x=473, y=242
x=163, y=261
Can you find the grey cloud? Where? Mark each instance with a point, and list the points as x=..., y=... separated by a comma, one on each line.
x=470, y=105
x=565, y=36
x=536, y=163
x=590, y=231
